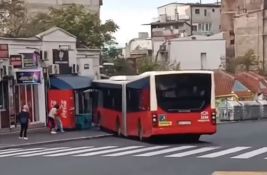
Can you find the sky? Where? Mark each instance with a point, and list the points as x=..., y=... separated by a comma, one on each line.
x=130, y=15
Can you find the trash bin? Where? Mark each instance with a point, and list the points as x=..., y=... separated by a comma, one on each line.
x=83, y=121
x=230, y=111
x=263, y=108
x=251, y=110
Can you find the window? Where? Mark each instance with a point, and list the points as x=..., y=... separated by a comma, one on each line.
x=194, y=28
x=205, y=12
x=138, y=95
x=232, y=42
x=213, y=10
x=197, y=11
x=3, y=51
x=207, y=27
x=183, y=92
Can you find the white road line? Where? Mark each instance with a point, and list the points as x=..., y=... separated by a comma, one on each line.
x=29, y=152
x=19, y=150
x=251, y=153
x=224, y=152
x=10, y=151
x=79, y=151
x=135, y=151
x=154, y=153
x=54, y=151
x=108, y=151
x=195, y=151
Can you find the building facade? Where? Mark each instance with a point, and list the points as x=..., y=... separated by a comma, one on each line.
x=37, y=6
x=26, y=65
x=197, y=52
x=177, y=20
x=244, y=24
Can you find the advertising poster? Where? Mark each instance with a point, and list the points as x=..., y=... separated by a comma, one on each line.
x=28, y=77
x=65, y=99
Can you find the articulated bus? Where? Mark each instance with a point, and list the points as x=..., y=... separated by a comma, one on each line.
x=157, y=103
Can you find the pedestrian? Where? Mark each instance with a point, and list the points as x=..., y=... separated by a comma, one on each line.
x=51, y=118
x=59, y=125
x=24, y=117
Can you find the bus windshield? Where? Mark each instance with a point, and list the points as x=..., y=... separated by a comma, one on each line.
x=188, y=92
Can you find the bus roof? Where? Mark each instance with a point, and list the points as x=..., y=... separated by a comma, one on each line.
x=124, y=79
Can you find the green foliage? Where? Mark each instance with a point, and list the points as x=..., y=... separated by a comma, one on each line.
x=75, y=19
x=14, y=18
x=123, y=67
x=248, y=60
x=147, y=64
x=111, y=53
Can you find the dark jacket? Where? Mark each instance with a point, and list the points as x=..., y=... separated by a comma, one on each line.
x=24, y=117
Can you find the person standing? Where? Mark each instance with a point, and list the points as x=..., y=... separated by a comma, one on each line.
x=52, y=117
x=24, y=117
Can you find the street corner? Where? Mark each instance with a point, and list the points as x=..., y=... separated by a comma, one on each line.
x=239, y=173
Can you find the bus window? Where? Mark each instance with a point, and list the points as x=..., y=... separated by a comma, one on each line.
x=183, y=93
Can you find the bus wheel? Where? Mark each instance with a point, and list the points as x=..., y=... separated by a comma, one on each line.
x=140, y=132
x=194, y=138
x=118, y=128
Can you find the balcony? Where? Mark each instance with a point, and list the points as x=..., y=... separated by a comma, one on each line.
x=161, y=32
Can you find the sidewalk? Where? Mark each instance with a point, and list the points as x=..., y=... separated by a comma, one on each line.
x=42, y=136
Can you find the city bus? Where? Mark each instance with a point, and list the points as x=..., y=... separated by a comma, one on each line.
x=157, y=103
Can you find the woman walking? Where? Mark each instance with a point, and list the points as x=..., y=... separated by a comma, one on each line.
x=24, y=117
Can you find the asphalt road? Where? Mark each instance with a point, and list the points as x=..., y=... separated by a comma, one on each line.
x=236, y=146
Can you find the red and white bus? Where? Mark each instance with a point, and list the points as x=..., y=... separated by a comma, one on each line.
x=158, y=103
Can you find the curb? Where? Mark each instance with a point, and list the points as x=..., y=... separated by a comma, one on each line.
x=55, y=141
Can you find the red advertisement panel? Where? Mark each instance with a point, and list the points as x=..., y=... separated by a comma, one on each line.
x=65, y=99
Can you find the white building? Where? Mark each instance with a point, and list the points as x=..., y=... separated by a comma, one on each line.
x=198, y=52
x=25, y=64
x=140, y=46
x=204, y=18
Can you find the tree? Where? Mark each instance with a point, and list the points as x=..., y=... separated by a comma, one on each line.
x=75, y=19
x=13, y=18
x=78, y=21
x=248, y=60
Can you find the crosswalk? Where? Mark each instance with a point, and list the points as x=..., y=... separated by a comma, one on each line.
x=141, y=151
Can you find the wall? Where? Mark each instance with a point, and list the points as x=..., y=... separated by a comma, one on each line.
x=212, y=17
x=56, y=39
x=91, y=57
x=170, y=9
x=248, y=34
x=188, y=53
x=35, y=6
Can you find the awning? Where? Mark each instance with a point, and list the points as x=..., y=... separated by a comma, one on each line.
x=74, y=82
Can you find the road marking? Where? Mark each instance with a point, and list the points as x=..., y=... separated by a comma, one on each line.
x=154, y=153
x=196, y=151
x=108, y=151
x=19, y=150
x=28, y=151
x=251, y=153
x=10, y=151
x=239, y=173
x=135, y=151
x=79, y=151
x=224, y=152
x=54, y=151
